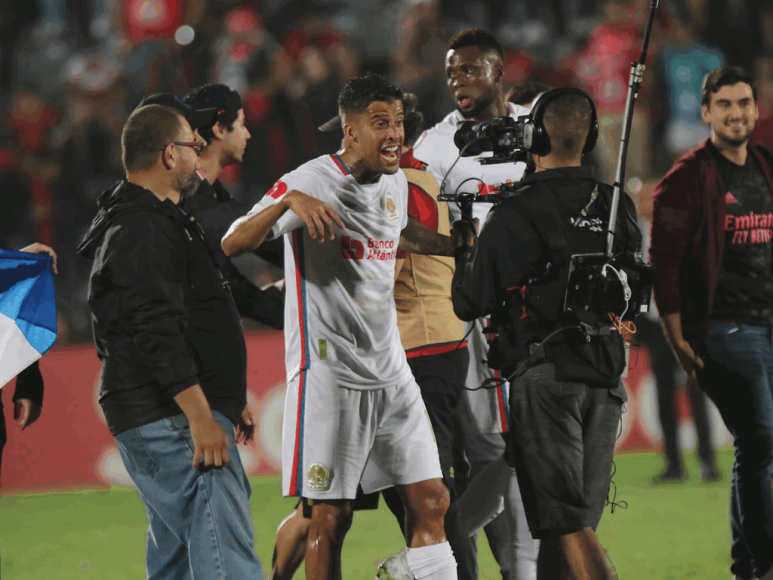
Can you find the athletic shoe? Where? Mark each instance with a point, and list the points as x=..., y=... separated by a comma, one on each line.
x=710, y=473
x=671, y=474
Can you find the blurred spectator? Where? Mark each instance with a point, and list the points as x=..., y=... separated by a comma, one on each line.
x=148, y=29
x=685, y=61
x=734, y=26
x=248, y=58
x=763, y=130
x=16, y=222
x=31, y=122
x=419, y=55
x=16, y=20
x=322, y=63
x=603, y=68
x=90, y=164
x=39, y=60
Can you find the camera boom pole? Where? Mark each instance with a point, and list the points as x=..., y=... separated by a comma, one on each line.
x=637, y=74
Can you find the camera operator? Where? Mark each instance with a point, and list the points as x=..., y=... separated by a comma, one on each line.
x=565, y=408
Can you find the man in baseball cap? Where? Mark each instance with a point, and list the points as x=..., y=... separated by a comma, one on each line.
x=197, y=118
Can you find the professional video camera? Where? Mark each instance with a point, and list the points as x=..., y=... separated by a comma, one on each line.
x=504, y=136
x=603, y=289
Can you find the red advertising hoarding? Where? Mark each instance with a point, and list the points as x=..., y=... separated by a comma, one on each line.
x=71, y=447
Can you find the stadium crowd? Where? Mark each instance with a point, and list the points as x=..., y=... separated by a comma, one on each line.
x=71, y=71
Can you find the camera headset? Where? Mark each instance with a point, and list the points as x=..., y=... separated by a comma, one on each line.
x=535, y=136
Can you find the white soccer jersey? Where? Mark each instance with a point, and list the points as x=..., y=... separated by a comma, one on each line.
x=436, y=148
x=339, y=308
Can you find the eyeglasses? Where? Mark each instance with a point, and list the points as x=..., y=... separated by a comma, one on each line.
x=197, y=146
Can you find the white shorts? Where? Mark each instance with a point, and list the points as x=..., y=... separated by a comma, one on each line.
x=484, y=410
x=331, y=433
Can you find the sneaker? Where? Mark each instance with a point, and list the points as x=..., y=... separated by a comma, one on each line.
x=394, y=568
x=671, y=474
x=710, y=473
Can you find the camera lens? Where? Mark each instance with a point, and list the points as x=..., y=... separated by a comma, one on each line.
x=475, y=135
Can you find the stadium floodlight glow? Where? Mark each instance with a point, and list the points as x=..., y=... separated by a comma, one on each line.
x=184, y=35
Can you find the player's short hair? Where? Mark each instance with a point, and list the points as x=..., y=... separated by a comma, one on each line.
x=567, y=121
x=147, y=131
x=360, y=92
x=221, y=97
x=479, y=37
x=525, y=93
x=413, y=123
x=725, y=76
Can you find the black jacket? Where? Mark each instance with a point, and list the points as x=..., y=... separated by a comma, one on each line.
x=162, y=316
x=507, y=274
x=215, y=210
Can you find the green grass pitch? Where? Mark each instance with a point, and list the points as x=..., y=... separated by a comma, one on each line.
x=674, y=531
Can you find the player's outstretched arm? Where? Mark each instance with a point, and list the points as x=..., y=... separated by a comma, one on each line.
x=249, y=232
x=417, y=238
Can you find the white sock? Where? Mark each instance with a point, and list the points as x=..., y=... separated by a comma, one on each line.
x=434, y=562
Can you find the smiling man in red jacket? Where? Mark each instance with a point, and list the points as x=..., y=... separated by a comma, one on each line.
x=712, y=247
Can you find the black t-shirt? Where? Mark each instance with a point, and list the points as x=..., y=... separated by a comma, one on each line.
x=744, y=290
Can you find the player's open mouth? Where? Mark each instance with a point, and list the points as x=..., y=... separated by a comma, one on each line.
x=463, y=102
x=390, y=153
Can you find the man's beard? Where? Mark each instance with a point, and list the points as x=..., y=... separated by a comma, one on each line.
x=734, y=142
x=479, y=109
x=187, y=184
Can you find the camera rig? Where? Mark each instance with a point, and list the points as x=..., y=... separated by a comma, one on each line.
x=603, y=289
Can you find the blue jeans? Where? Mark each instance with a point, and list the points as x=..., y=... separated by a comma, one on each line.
x=738, y=377
x=199, y=525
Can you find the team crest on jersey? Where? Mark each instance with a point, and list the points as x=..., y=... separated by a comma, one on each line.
x=318, y=477
x=391, y=209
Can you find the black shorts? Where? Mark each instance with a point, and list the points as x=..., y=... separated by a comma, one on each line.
x=441, y=380
x=363, y=501
x=563, y=439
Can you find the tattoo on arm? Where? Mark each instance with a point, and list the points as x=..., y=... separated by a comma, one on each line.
x=417, y=238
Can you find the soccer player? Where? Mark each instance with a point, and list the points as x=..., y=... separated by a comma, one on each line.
x=474, y=72
x=433, y=339
x=351, y=397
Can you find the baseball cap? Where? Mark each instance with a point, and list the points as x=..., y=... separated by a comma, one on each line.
x=331, y=125
x=197, y=118
x=222, y=98
x=410, y=101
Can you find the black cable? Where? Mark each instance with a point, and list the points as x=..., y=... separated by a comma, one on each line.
x=539, y=346
x=458, y=157
x=458, y=346
x=612, y=485
x=500, y=380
